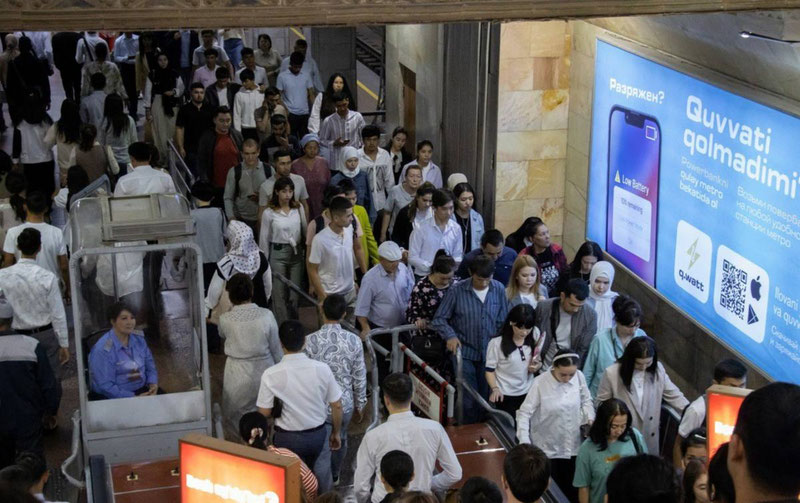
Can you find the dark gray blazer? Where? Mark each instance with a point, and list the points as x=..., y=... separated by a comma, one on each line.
x=584, y=326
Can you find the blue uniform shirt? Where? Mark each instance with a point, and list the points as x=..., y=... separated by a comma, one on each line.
x=118, y=371
x=502, y=266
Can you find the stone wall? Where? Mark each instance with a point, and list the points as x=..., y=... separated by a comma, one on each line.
x=687, y=349
x=533, y=101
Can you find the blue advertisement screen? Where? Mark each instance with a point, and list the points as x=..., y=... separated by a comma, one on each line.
x=695, y=190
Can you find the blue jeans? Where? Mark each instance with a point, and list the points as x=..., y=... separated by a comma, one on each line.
x=308, y=445
x=233, y=48
x=329, y=463
x=474, y=374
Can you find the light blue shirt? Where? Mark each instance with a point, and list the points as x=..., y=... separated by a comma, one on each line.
x=604, y=351
x=294, y=89
x=118, y=371
x=383, y=299
x=124, y=48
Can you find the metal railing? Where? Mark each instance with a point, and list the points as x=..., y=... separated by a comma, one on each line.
x=449, y=389
x=181, y=174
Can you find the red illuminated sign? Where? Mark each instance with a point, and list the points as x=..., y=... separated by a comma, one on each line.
x=216, y=471
x=723, y=403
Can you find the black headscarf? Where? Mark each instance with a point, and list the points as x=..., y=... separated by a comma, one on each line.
x=165, y=79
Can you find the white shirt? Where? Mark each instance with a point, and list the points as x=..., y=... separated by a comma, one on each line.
x=305, y=387
x=334, y=254
x=335, y=127
x=428, y=239
x=279, y=227
x=34, y=149
x=552, y=414
x=199, y=55
x=422, y=439
x=637, y=382
x=562, y=337
x=381, y=177
x=52, y=245
x=223, y=97
x=481, y=293
x=144, y=180
x=430, y=173
x=34, y=295
x=510, y=372
x=41, y=42
x=244, y=108
x=265, y=190
x=693, y=417
x=529, y=298
x=260, y=77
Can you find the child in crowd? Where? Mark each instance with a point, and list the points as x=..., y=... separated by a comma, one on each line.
x=397, y=471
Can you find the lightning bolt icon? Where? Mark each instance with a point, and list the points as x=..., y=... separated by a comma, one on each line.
x=692, y=252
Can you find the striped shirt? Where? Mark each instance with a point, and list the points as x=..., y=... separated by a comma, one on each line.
x=333, y=128
x=307, y=477
x=462, y=314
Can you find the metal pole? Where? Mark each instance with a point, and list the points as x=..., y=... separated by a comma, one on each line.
x=371, y=346
x=460, y=386
x=397, y=357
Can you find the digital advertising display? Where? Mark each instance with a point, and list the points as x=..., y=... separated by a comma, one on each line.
x=216, y=471
x=694, y=189
x=722, y=410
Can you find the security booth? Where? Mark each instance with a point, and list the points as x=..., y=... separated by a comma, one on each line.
x=138, y=250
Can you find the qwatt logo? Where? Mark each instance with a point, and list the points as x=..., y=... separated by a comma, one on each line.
x=693, y=261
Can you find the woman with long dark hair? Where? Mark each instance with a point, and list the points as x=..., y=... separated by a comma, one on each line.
x=324, y=105
x=470, y=221
x=695, y=483
x=65, y=135
x=513, y=359
x=611, y=438
x=396, y=146
x=117, y=131
x=414, y=215
x=162, y=93
x=586, y=257
x=639, y=380
x=90, y=155
x=282, y=240
x=556, y=407
x=520, y=238
x=30, y=148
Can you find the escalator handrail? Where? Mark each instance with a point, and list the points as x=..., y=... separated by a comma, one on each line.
x=503, y=417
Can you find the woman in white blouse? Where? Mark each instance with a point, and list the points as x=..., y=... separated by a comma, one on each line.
x=513, y=358
x=283, y=227
x=639, y=380
x=252, y=346
x=551, y=416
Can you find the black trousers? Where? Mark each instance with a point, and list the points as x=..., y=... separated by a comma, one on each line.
x=71, y=80
x=12, y=443
x=299, y=124
x=128, y=73
x=562, y=471
x=511, y=404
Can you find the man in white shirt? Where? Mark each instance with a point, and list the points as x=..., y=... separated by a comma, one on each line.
x=259, y=72
x=245, y=103
x=339, y=130
x=144, y=179
x=282, y=162
x=423, y=439
x=84, y=53
x=441, y=232
x=377, y=163
x=199, y=54
x=53, y=256
x=297, y=91
x=207, y=74
x=305, y=388
x=33, y=294
x=330, y=262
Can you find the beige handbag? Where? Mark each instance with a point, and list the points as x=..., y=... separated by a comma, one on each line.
x=223, y=306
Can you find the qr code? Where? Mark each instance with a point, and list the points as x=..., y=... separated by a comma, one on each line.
x=734, y=289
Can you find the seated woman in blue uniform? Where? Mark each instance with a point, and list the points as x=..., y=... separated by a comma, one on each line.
x=120, y=363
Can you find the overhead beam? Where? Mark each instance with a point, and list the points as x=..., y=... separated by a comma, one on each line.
x=116, y=15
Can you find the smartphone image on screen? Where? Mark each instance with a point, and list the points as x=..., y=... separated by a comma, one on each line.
x=634, y=162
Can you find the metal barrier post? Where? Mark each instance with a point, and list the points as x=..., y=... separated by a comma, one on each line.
x=460, y=386
x=371, y=347
x=397, y=356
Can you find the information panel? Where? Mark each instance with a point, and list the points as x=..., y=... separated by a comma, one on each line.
x=695, y=190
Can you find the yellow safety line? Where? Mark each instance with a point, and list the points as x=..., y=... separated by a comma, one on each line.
x=298, y=33
x=367, y=90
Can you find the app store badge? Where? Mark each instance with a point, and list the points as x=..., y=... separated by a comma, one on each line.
x=741, y=293
x=693, y=251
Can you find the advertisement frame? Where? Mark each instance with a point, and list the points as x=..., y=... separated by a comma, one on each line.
x=724, y=82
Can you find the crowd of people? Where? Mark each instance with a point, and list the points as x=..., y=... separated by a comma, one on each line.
x=293, y=184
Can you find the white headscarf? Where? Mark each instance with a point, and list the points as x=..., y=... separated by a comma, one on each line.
x=348, y=153
x=602, y=303
x=243, y=253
